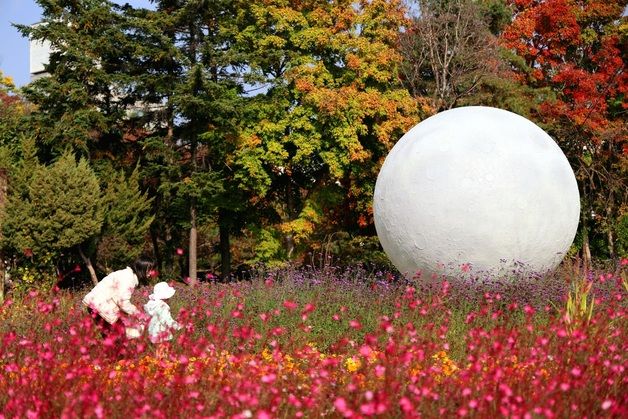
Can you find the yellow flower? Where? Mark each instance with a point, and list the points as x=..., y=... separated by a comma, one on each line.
x=447, y=365
x=289, y=362
x=267, y=355
x=352, y=364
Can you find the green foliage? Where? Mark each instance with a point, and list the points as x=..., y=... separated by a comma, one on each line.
x=85, y=97
x=34, y=273
x=13, y=112
x=497, y=13
x=351, y=251
x=622, y=236
x=269, y=120
x=127, y=220
x=269, y=248
x=58, y=208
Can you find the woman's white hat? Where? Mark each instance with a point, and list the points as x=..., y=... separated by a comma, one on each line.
x=162, y=291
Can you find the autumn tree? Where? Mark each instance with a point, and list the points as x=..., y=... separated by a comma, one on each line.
x=14, y=110
x=576, y=49
x=329, y=108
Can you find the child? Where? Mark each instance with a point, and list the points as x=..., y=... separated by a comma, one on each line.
x=161, y=322
x=109, y=302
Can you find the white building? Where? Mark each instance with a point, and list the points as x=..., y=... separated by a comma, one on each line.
x=39, y=55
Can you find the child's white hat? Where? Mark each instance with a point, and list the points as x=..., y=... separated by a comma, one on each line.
x=162, y=291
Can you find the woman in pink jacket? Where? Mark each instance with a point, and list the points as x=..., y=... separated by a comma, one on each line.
x=110, y=300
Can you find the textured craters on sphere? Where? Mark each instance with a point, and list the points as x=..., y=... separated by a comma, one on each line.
x=478, y=186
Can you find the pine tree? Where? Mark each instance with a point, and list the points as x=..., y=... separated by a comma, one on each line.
x=58, y=209
x=199, y=89
x=127, y=221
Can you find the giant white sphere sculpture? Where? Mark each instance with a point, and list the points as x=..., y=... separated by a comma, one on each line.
x=475, y=187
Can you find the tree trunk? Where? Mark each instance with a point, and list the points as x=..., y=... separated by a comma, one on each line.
x=2, y=280
x=611, y=243
x=225, y=247
x=586, y=253
x=290, y=209
x=155, y=242
x=90, y=267
x=192, y=273
x=609, y=234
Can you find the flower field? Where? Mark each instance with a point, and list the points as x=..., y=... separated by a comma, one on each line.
x=329, y=343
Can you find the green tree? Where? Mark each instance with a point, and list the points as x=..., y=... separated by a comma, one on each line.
x=52, y=208
x=127, y=219
x=200, y=92
x=84, y=99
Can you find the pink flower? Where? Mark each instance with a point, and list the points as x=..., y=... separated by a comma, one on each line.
x=290, y=305
x=365, y=350
x=341, y=406
x=406, y=404
x=607, y=403
x=270, y=378
x=309, y=307
x=180, y=251
x=355, y=324
x=368, y=409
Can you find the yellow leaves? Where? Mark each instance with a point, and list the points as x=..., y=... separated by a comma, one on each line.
x=272, y=41
x=320, y=17
x=304, y=85
x=300, y=228
x=251, y=141
x=353, y=61
x=7, y=81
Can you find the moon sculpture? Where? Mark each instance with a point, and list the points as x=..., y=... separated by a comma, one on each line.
x=475, y=188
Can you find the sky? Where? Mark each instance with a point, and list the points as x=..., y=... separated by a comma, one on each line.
x=14, y=48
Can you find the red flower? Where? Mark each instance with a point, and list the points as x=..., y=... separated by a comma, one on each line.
x=290, y=305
